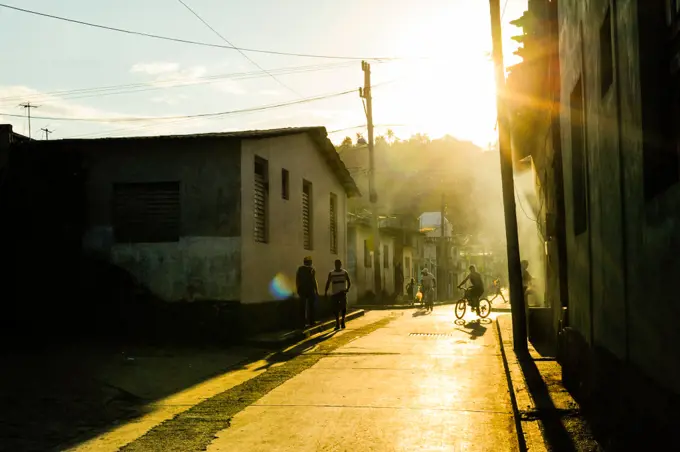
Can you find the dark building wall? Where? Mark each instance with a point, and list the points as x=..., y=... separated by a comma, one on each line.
x=620, y=269
x=205, y=261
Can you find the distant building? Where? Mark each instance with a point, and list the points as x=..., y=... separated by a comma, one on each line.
x=401, y=244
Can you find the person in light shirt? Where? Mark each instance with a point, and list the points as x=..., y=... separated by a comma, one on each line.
x=339, y=283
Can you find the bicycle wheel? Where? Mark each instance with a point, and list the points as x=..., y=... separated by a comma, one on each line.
x=484, y=308
x=461, y=305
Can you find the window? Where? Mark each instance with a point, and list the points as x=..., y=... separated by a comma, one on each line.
x=368, y=262
x=386, y=256
x=578, y=159
x=285, y=184
x=606, y=55
x=307, y=215
x=334, y=223
x=146, y=212
x=660, y=80
x=260, y=201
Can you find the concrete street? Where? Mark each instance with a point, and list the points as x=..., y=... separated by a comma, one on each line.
x=419, y=383
x=392, y=381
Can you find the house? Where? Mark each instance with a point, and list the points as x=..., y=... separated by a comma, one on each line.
x=436, y=244
x=401, y=244
x=609, y=166
x=220, y=217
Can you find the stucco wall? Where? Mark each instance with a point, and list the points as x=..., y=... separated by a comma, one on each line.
x=364, y=278
x=285, y=250
x=204, y=263
x=630, y=249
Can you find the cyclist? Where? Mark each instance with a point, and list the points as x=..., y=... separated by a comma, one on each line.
x=475, y=292
x=428, y=282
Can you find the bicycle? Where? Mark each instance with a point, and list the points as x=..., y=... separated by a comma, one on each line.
x=483, y=306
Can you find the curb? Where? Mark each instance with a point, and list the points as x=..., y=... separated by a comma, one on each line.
x=291, y=337
x=529, y=434
x=330, y=324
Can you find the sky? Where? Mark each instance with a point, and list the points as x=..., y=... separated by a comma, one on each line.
x=440, y=81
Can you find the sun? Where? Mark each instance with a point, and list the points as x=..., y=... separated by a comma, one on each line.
x=454, y=97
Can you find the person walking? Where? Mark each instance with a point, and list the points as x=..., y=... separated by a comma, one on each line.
x=308, y=291
x=429, y=283
x=339, y=283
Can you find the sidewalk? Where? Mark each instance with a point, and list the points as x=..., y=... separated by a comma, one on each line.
x=550, y=417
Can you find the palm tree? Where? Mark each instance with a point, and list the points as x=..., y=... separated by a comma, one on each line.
x=390, y=135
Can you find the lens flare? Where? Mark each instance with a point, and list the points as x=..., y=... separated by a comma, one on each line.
x=280, y=287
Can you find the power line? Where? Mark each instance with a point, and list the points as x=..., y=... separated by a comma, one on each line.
x=200, y=115
x=128, y=129
x=505, y=5
x=81, y=93
x=239, y=50
x=197, y=43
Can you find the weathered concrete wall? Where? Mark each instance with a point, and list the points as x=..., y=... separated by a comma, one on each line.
x=629, y=251
x=285, y=250
x=364, y=277
x=572, y=63
x=205, y=263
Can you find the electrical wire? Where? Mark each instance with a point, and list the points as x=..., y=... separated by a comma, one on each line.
x=82, y=93
x=239, y=50
x=179, y=119
x=196, y=43
x=200, y=115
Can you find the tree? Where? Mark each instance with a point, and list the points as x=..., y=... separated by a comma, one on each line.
x=346, y=143
x=390, y=136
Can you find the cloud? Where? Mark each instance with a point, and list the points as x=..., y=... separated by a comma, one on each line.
x=154, y=68
x=230, y=87
x=169, y=99
x=270, y=92
x=55, y=106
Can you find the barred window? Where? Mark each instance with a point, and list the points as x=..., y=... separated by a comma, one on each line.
x=334, y=223
x=260, y=201
x=146, y=212
x=307, y=215
x=285, y=184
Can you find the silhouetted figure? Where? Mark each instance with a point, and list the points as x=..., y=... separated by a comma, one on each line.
x=477, y=289
x=339, y=283
x=307, y=290
x=428, y=282
x=411, y=291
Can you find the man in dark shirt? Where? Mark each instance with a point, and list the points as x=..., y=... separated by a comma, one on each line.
x=477, y=289
x=308, y=291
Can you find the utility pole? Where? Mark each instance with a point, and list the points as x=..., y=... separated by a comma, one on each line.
x=517, y=302
x=28, y=107
x=47, y=132
x=443, y=266
x=365, y=94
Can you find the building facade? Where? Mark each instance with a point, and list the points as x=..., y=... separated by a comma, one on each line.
x=609, y=169
x=224, y=217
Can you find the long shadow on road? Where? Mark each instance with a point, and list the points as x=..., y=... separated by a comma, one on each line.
x=66, y=394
